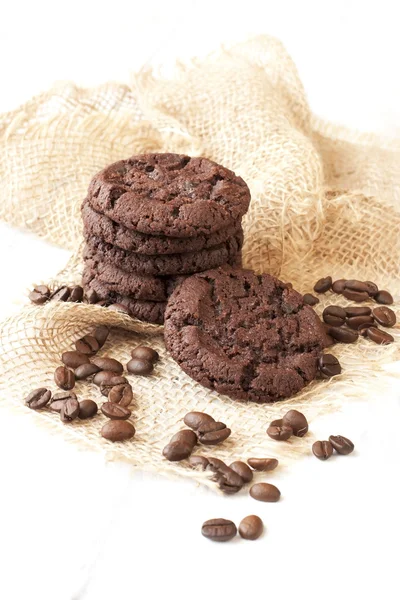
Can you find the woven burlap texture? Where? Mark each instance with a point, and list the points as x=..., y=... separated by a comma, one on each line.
x=324, y=201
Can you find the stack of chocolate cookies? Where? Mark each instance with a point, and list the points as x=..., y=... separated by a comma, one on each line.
x=152, y=220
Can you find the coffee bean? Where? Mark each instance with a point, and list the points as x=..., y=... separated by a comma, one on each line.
x=196, y=420
x=228, y=480
x=322, y=450
x=263, y=464
x=211, y=426
x=357, y=322
x=106, y=363
x=69, y=410
x=356, y=286
x=138, y=366
x=251, y=527
x=323, y=285
x=64, y=378
x=145, y=353
x=101, y=334
x=355, y=296
x=87, y=345
x=338, y=286
x=61, y=294
x=40, y=294
x=219, y=530
x=372, y=288
x=58, y=400
x=265, y=492
x=279, y=432
x=343, y=335
x=76, y=294
x=118, y=431
x=334, y=315
x=383, y=297
x=38, y=398
x=384, y=316
x=102, y=303
x=115, y=411
x=379, y=337
x=242, y=470
x=198, y=462
x=87, y=409
x=91, y=296
x=175, y=451
x=341, y=444
x=107, y=377
x=357, y=311
x=121, y=394
x=297, y=421
x=74, y=359
x=106, y=386
x=214, y=437
x=119, y=308
x=186, y=436
x=310, y=299
x=329, y=365
x=85, y=371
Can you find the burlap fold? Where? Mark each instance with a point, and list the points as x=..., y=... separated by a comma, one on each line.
x=324, y=201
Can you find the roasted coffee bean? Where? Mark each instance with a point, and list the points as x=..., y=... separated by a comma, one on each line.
x=107, y=377
x=341, y=444
x=118, y=431
x=119, y=308
x=87, y=409
x=69, y=410
x=384, y=316
x=74, y=359
x=198, y=462
x=64, y=378
x=175, y=451
x=138, y=366
x=58, y=400
x=61, y=294
x=334, y=315
x=371, y=288
x=228, y=480
x=242, y=470
x=40, y=294
x=196, y=420
x=38, y=398
x=297, y=421
x=251, y=527
x=265, y=492
x=357, y=311
x=101, y=334
x=145, y=353
x=338, y=286
x=106, y=386
x=379, y=337
x=356, y=286
x=329, y=365
x=322, y=450
x=310, y=299
x=214, y=437
x=91, y=297
x=263, y=464
x=343, y=335
x=355, y=296
x=279, y=432
x=219, y=530
x=108, y=364
x=383, y=297
x=85, y=371
x=323, y=285
x=115, y=411
x=357, y=322
x=87, y=345
x=211, y=426
x=121, y=394
x=186, y=436
x=76, y=294
x=102, y=303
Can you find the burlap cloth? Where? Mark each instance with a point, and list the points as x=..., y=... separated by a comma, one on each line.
x=325, y=200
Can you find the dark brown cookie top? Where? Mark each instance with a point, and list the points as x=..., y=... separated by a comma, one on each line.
x=168, y=264
x=170, y=194
x=98, y=225
x=245, y=335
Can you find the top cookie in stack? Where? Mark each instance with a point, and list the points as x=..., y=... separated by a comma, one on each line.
x=153, y=219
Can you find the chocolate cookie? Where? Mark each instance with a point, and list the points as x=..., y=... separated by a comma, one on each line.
x=140, y=287
x=100, y=226
x=170, y=264
x=170, y=194
x=245, y=335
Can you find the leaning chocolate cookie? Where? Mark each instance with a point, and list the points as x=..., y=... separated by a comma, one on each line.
x=170, y=194
x=245, y=335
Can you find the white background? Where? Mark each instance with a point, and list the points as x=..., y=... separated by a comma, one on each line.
x=75, y=527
